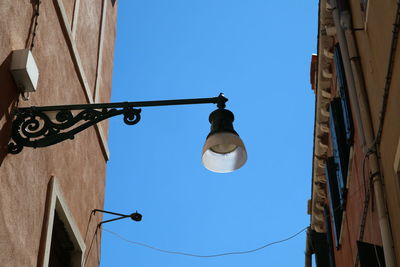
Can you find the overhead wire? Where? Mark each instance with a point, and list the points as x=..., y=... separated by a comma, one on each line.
x=87, y=225
x=203, y=256
x=98, y=250
x=91, y=244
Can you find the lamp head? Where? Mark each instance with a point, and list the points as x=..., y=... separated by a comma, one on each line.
x=136, y=216
x=223, y=151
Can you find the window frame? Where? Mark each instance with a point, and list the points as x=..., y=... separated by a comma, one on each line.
x=56, y=203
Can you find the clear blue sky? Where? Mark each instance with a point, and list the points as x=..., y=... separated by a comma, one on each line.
x=258, y=53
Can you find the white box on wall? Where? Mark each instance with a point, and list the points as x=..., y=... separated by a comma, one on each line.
x=24, y=70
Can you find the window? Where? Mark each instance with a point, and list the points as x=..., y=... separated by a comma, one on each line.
x=329, y=236
x=341, y=133
x=322, y=249
x=336, y=209
x=63, y=245
x=62, y=248
x=370, y=255
x=341, y=127
x=344, y=95
x=340, y=148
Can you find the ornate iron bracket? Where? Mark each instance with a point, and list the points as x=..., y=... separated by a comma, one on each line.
x=49, y=125
x=33, y=127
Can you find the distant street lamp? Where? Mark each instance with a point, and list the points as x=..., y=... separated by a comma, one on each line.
x=44, y=126
x=137, y=217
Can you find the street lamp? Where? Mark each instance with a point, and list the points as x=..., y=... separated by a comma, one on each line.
x=134, y=216
x=44, y=126
x=137, y=217
x=223, y=151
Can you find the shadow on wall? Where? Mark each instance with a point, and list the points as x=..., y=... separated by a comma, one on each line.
x=9, y=96
x=35, y=12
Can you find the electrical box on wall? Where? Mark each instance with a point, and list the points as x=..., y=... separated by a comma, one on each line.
x=24, y=70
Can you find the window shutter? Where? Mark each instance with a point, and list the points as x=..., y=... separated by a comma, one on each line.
x=341, y=149
x=344, y=95
x=370, y=255
x=322, y=249
x=336, y=209
x=329, y=237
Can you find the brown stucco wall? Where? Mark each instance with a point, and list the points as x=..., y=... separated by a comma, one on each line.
x=87, y=38
x=374, y=47
x=78, y=165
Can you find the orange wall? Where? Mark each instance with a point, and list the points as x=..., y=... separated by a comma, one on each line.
x=79, y=165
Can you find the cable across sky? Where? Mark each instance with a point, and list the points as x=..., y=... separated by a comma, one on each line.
x=203, y=256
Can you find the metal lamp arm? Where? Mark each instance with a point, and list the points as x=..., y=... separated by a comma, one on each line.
x=134, y=216
x=34, y=127
x=220, y=100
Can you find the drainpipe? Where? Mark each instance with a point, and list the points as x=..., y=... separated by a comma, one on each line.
x=351, y=58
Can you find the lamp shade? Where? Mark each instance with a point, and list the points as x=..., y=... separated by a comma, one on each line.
x=223, y=151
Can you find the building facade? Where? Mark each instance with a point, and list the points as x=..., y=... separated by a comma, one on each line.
x=355, y=204
x=47, y=194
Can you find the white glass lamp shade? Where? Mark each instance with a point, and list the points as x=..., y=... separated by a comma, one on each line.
x=224, y=152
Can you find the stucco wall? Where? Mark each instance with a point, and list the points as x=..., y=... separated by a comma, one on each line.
x=374, y=44
x=373, y=32
x=79, y=165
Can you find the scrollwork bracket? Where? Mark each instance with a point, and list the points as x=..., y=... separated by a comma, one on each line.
x=35, y=127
